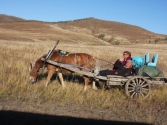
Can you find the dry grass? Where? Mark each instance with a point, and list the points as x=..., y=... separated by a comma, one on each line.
x=14, y=82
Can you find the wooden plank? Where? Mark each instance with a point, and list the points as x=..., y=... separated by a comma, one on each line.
x=75, y=70
x=114, y=83
x=157, y=82
x=51, y=51
x=115, y=76
x=118, y=79
x=127, y=77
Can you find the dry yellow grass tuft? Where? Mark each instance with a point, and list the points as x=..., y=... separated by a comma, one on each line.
x=15, y=85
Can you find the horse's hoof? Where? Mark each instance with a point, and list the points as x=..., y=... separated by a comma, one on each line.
x=94, y=88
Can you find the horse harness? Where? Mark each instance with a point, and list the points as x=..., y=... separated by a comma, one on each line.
x=62, y=54
x=75, y=62
x=33, y=71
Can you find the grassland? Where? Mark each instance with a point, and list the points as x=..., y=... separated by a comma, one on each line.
x=17, y=93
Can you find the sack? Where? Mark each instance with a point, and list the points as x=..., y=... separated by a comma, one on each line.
x=138, y=61
x=150, y=71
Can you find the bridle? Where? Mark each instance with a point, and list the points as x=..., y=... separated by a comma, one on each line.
x=35, y=72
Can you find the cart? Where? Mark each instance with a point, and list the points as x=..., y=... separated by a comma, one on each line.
x=135, y=86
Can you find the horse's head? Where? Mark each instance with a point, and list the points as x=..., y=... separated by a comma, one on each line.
x=34, y=71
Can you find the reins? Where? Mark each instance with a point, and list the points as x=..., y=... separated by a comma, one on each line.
x=109, y=63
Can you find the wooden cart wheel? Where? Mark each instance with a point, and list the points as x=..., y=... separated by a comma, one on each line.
x=137, y=87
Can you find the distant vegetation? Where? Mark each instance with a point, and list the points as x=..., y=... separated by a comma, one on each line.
x=74, y=20
x=101, y=36
x=117, y=42
x=157, y=40
x=111, y=39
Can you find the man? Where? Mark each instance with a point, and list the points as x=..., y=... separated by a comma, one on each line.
x=123, y=71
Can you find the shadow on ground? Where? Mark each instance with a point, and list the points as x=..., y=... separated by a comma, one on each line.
x=24, y=118
x=70, y=77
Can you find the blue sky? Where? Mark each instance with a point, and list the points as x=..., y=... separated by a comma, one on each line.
x=148, y=14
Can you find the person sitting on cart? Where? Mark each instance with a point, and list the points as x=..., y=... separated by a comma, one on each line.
x=122, y=61
x=122, y=71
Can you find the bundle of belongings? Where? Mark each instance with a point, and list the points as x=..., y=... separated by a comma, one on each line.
x=145, y=68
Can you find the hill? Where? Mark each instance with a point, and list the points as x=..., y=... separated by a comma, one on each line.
x=84, y=31
x=6, y=18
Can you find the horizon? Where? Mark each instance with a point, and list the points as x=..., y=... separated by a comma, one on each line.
x=145, y=14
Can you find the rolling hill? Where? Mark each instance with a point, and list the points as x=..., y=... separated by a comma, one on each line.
x=6, y=18
x=90, y=31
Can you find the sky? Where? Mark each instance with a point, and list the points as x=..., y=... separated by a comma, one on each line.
x=148, y=14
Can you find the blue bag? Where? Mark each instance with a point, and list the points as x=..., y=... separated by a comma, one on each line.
x=138, y=61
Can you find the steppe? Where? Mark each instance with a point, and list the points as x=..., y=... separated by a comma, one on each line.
x=22, y=102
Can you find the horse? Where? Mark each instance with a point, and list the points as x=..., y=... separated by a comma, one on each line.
x=82, y=60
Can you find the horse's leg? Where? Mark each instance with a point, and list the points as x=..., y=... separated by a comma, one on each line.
x=50, y=74
x=87, y=83
x=86, y=80
x=94, y=85
x=61, y=78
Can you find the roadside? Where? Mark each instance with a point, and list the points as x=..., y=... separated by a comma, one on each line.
x=156, y=115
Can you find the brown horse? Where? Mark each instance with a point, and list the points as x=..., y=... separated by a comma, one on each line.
x=79, y=59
